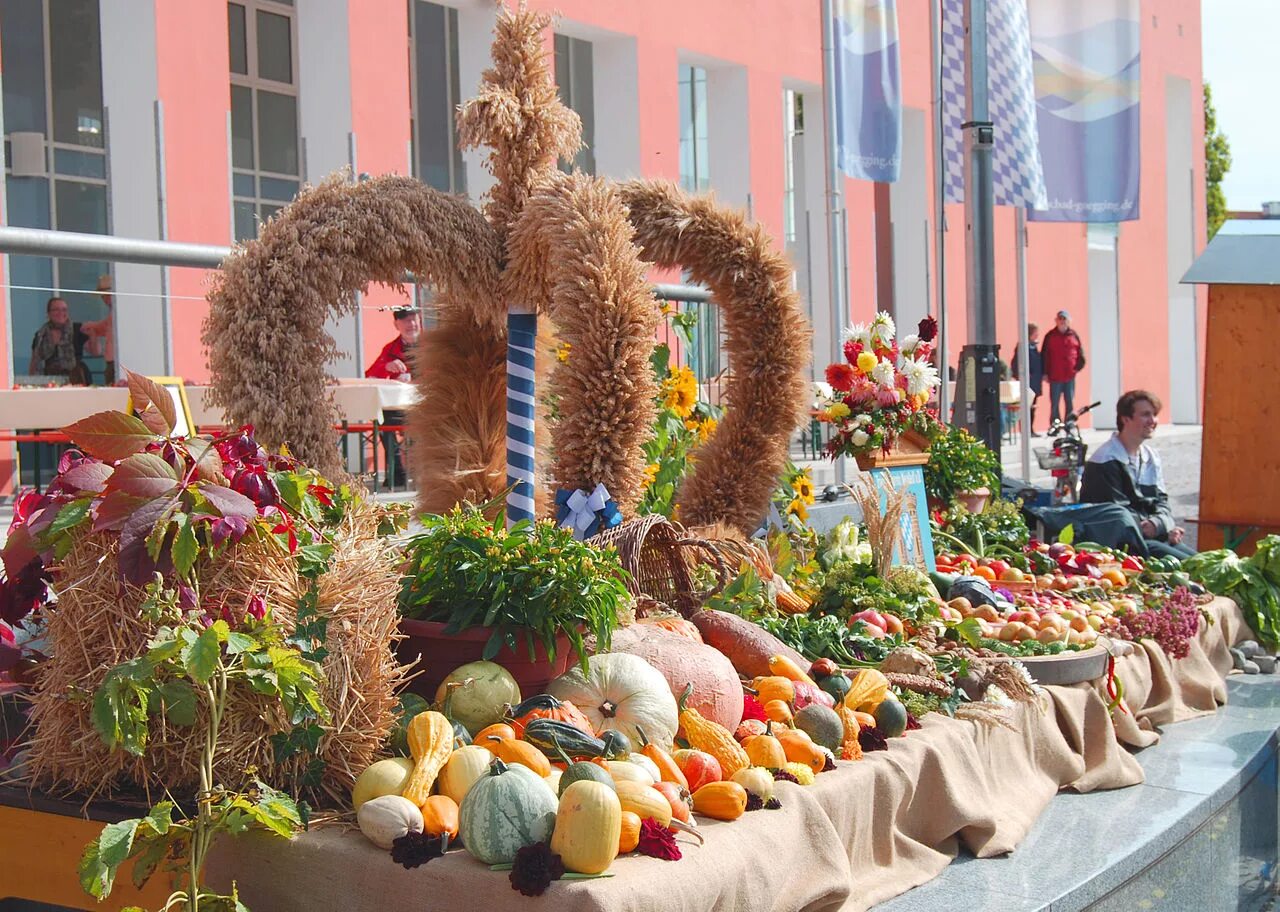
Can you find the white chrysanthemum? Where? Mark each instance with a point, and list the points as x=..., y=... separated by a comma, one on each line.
x=860, y=333
x=997, y=696
x=822, y=394
x=882, y=327
x=883, y=373
x=863, y=419
x=921, y=377
x=860, y=438
x=909, y=344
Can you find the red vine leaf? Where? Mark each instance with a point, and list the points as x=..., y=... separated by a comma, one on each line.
x=228, y=502
x=19, y=550
x=110, y=436
x=209, y=463
x=144, y=391
x=136, y=564
x=155, y=421
x=144, y=475
x=90, y=477
x=114, y=510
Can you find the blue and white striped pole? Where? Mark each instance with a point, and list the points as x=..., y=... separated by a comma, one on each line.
x=522, y=331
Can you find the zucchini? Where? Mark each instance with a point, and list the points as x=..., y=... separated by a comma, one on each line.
x=551, y=736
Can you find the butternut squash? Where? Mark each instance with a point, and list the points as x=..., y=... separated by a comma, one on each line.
x=799, y=748
x=430, y=738
x=645, y=802
x=721, y=800
x=629, y=835
x=511, y=750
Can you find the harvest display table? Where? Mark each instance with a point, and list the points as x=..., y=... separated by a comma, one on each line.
x=859, y=835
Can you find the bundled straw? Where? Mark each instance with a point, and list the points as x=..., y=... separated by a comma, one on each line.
x=97, y=625
x=884, y=526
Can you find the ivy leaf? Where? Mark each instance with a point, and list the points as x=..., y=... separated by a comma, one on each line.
x=178, y=701
x=71, y=515
x=202, y=659
x=90, y=477
x=110, y=436
x=228, y=502
x=185, y=546
x=103, y=857
x=292, y=487
x=144, y=475
x=144, y=391
x=239, y=642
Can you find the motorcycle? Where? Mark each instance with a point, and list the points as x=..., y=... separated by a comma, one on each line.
x=1065, y=457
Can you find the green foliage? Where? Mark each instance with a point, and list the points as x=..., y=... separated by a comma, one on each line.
x=533, y=581
x=958, y=461
x=1253, y=582
x=1217, y=162
x=999, y=527
x=828, y=637
x=852, y=587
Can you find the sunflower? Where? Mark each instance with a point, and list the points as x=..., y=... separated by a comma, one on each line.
x=797, y=509
x=680, y=391
x=650, y=474
x=802, y=486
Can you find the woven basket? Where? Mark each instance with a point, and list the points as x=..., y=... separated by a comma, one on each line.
x=660, y=557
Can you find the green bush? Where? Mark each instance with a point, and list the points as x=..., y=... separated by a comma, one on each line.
x=958, y=461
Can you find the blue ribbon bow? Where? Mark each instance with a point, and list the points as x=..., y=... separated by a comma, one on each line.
x=586, y=512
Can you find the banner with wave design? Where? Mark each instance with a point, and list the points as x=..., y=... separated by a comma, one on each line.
x=1088, y=79
x=868, y=112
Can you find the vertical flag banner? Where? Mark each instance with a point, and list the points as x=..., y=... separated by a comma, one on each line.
x=522, y=334
x=1088, y=75
x=1019, y=176
x=868, y=112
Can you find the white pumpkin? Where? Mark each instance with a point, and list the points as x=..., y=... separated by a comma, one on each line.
x=384, y=820
x=623, y=693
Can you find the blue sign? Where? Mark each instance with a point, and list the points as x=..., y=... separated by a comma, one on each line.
x=915, y=546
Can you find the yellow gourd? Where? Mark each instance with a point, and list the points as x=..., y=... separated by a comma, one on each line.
x=781, y=665
x=721, y=800
x=431, y=743
x=774, y=687
x=711, y=738
x=464, y=768
x=799, y=748
x=588, y=827
x=779, y=712
x=629, y=837
x=644, y=801
x=850, y=749
x=867, y=690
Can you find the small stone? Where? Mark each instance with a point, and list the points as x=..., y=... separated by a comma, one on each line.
x=1237, y=659
x=1249, y=648
x=1250, y=667
x=1266, y=664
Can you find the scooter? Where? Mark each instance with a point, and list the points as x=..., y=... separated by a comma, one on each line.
x=1065, y=457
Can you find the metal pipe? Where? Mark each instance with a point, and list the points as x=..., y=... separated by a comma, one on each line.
x=979, y=185
x=837, y=281
x=939, y=209
x=162, y=224
x=692, y=293
x=1024, y=343
x=75, y=245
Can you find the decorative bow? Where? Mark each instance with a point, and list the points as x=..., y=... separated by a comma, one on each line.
x=587, y=512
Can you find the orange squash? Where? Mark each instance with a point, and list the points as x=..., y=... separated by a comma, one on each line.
x=765, y=750
x=721, y=800
x=511, y=750
x=497, y=730
x=666, y=764
x=799, y=748
x=630, y=836
x=440, y=818
x=774, y=687
x=545, y=706
x=778, y=711
x=787, y=668
x=678, y=797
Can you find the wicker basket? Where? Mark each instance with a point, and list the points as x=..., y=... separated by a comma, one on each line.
x=661, y=557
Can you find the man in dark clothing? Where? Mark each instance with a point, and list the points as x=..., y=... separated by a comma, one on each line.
x=1035, y=370
x=1063, y=356
x=1127, y=471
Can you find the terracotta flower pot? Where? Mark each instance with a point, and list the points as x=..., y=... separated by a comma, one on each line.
x=974, y=501
x=434, y=654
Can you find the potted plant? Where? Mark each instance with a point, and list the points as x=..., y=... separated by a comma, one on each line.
x=522, y=597
x=961, y=468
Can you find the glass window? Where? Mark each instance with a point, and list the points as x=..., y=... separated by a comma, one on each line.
x=81, y=207
x=277, y=132
x=75, y=70
x=241, y=127
x=693, y=128
x=274, y=47
x=276, y=189
x=574, y=82
x=246, y=220
x=433, y=45
x=80, y=164
x=237, y=39
x=22, y=49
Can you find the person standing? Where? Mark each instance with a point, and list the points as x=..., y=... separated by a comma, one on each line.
x=1062, y=356
x=393, y=363
x=101, y=334
x=1035, y=370
x=57, y=348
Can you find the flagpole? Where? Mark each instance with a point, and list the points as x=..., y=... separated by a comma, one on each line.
x=1024, y=343
x=838, y=287
x=939, y=209
x=522, y=333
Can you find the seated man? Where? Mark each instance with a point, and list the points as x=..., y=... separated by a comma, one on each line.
x=1126, y=470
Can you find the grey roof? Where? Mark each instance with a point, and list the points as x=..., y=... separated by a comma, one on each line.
x=1243, y=252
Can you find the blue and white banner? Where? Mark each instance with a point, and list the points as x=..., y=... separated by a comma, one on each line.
x=868, y=89
x=1019, y=177
x=1088, y=76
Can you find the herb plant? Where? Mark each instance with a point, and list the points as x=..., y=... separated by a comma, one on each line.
x=532, y=582
x=958, y=461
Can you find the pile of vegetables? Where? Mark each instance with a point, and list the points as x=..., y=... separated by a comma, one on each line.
x=1253, y=582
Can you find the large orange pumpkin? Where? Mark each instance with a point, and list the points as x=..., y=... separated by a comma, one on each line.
x=717, y=690
x=545, y=706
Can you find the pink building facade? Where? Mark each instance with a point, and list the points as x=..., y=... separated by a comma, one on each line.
x=191, y=121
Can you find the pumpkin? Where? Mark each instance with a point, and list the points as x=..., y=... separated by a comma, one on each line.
x=809, y=694
x=764, y=750
x=717, y=690
x=584, y=770
x=748, y=646
x=822, y=725
x=836, y=686
x=462, y=770
x=756, y=780
x=626, y=771
x=621, y=692
x=440, y=818
x=705, y=735
x=778, y=711
x=487, y=689
x=431, y=743
x=802, y=771
x=678, y=797
x=386, y=777
x=588, y=827
x=545, y=706
x=629, y=836
x=891, y=718
x=698, y=767
x=512, y=750
x=799, y=748
x=673, y=623
x=506, y=810
x=645, y=801
x=721, y=800
x=867, y=690
x=774, y=687
x=497, y=730
x=385, y=819
x=647, y=765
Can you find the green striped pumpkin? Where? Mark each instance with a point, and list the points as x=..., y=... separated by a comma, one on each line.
x=505, y=811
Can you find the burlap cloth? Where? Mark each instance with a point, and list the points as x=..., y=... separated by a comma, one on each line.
x=860, y=835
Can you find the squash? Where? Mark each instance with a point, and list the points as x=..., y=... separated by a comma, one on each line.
x=787, y=667
x=778, y=711
x=673, y=623
x=765, y=750
x=645, y=801
x=836, y=686
x=647, y=765
x=822, y=725
x=545, y=706
x=462, y=770
x=711, y=738
x=747, y=645
x=867, y=690
x=756, y=780
x=552, y=779
x=626, y=771
x=496, y=730
x=588, y=827
x=621, y=692
x=616, y=744
x=698, y=767
x=799, y=748
x=808, y=694
x=774, y=687
x=512, y=750
x=582, y=770
x=721, y=800
x=678, y=797
x=668, y=769
x=386, y=777
x=850, y=749
x=487, y=689
x=748, y=728
x=563, y=740
x=385, y=819
x=891, y=718
x=506, y=810
x=440, y=818
x=629, y=836
x=431, y=743
x=717, y=689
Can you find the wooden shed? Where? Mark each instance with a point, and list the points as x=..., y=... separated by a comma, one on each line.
x=1240, y=447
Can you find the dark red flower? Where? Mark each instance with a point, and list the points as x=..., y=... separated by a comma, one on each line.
x=754, y=801
x=752, y=709
x=840, y=376
x=781, y=775
x=913, y=724
x=872, y=739
x=535, y=867
x=9, y=651
x=414, y=849
x=257, y=607
x=928, y=329
x=657, y=841
x=828, y=763
x=773, y=804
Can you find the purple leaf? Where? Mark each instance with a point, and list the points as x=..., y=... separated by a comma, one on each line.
x=111, y=436
x=136, y=565
x=144, y=475
x=228, y=502
x=86, y=476
x=232, y=527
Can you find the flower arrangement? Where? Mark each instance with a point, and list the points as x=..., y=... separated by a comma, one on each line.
x=881, y=389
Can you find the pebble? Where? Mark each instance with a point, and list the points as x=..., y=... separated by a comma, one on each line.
x=1250, y=667
x=1237, y=659
x=1266, y=663
x=1249, y=648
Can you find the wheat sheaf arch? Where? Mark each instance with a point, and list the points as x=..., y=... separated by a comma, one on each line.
x=571, y=247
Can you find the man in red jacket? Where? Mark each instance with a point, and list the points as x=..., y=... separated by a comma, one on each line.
x=394, y=364
x=1063, y=356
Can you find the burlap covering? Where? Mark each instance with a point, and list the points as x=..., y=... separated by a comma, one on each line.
x=860, y=835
